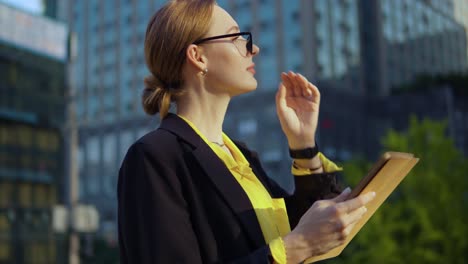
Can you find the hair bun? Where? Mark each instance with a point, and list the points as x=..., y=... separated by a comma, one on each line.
x=153, y=95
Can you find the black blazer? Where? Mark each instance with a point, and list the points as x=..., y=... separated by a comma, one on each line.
x=178, y=202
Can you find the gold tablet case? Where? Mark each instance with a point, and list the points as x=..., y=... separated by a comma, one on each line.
x=383, y=178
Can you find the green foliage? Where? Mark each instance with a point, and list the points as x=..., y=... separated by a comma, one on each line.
x=425, y=219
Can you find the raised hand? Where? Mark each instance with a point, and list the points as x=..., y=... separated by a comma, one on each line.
x=297, y=106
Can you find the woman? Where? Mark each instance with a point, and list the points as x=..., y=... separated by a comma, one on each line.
x=188, y=193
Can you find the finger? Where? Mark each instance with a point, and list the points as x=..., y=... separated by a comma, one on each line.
x=284, y=76
x=281, y=97
x=280, y=109
x=342, y=196
x=296, y=84
x=354, y=217
x=350, y=218
x=347, y=231
x=353, y=204
x=304, y=85
x=288, y=84
x=315, y=92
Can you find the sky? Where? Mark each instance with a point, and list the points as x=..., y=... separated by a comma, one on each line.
x=32, y=6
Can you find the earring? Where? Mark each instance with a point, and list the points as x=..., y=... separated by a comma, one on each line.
x=205, y=71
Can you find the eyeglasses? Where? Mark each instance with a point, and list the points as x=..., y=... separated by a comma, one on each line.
x=244, y=50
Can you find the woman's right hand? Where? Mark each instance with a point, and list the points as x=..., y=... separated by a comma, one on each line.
x=325, y=226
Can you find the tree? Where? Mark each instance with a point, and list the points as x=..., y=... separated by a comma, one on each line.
x=426, y=219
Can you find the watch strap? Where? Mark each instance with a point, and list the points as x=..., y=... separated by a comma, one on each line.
x=306, y=153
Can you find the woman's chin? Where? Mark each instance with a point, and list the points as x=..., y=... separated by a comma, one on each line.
x=246, y=89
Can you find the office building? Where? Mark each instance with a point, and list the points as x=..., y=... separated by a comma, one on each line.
x=32, y=62
x=404, y=39
x=460, y=9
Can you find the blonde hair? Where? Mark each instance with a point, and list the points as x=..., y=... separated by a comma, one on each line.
x=170, y=31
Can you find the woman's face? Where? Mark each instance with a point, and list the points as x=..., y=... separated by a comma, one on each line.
x=230, y=68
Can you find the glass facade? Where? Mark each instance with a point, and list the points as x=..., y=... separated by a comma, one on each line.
x=421, y=38
x=31, y=154
x=115, y=54
x=109, y=72
x=337, y=39
x=266, y=40
x=291, y=37
x=460, y=9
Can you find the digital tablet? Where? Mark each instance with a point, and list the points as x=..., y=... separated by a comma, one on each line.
x=384, y=176
x=376, y=168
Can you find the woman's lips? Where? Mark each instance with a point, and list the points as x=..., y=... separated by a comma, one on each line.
x=251, y=69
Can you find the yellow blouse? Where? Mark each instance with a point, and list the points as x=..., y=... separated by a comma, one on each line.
x=271, y=213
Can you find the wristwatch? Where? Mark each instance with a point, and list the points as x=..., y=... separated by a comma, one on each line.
x=306, y=153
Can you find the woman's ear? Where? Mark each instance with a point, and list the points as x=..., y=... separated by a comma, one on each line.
x=195, y=57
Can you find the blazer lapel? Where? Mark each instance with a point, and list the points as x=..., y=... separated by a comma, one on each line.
x=220, y=175
x=275, y=190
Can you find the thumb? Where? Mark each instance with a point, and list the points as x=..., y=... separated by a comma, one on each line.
x=280, y=96
x=342, y=196
x=281, y=106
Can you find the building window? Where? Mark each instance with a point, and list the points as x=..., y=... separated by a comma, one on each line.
x=93, y=165
x=126, y=139
x=296, y=16
x=109, y=163
x=6, y=195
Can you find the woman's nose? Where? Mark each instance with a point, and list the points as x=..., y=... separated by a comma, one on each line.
x=255, y=50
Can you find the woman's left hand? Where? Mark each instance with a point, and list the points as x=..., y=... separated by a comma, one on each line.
x=297, y=106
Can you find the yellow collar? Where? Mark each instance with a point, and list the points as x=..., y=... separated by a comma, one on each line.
x=235, y=162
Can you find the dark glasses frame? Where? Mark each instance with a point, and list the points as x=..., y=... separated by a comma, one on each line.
x=247, y=35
